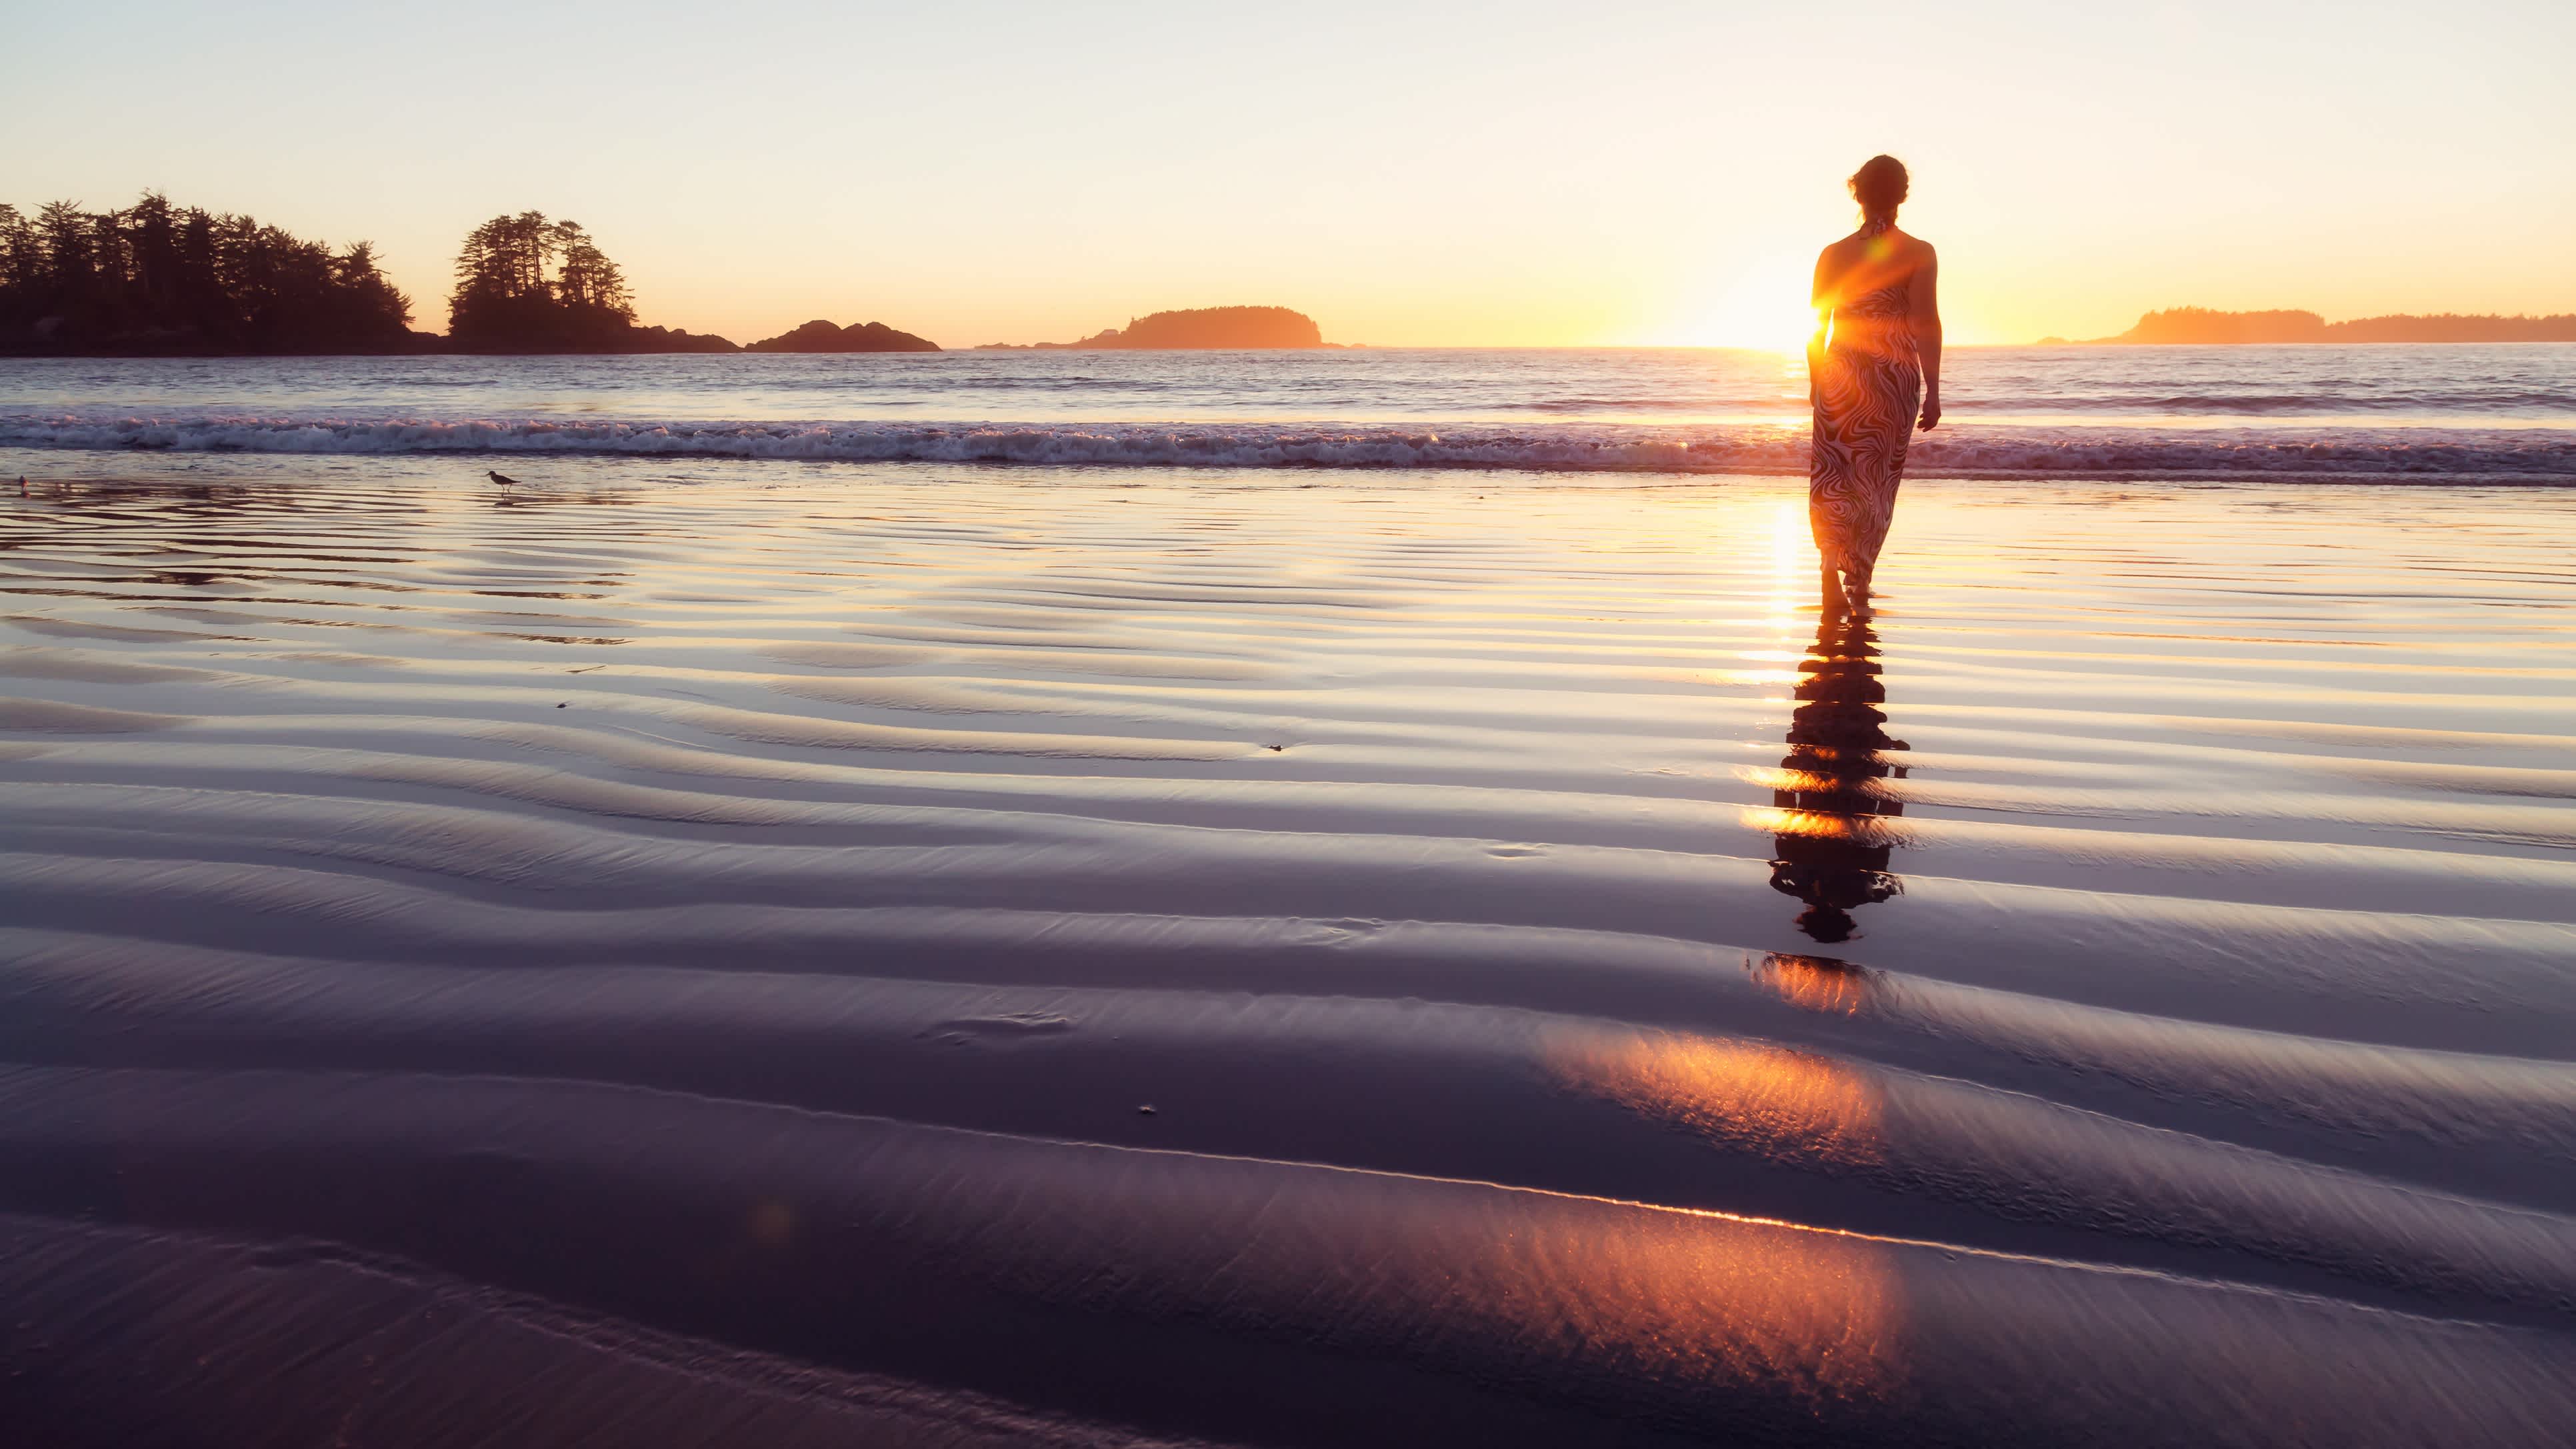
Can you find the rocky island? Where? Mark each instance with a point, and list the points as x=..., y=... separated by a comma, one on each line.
x=526, y=284
x=1203, y=328
x=821, y=336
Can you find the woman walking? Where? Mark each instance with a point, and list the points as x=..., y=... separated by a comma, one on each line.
x=1874, y=375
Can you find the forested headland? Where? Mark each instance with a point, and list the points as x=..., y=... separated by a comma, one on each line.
x=155, y=280
x=2203, y=326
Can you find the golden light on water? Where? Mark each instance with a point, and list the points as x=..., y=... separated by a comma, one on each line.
x=1719, y=1298
x=1820, y=986
x=1813, y=824
x=1788, y=540
x=1780, y=1103
x=1789, y=564
x=1697, y=1299
x=1849, y=793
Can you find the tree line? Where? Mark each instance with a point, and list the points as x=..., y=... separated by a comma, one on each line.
x=159, y=280
x=154, y=278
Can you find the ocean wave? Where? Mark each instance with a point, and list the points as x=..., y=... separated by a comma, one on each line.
x=1645, y=448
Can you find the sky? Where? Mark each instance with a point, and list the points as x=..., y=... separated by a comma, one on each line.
x=1409, y=174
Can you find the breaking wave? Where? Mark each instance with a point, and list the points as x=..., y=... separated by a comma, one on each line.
x=1971, y=451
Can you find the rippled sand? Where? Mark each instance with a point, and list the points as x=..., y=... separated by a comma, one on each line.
x=686, y=956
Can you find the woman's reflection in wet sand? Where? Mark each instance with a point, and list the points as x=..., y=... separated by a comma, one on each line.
x=1828, y=851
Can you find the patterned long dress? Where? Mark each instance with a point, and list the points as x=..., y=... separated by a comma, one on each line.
x=1868, y=389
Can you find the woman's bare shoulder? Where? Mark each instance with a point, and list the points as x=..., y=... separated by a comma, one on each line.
x=1840, y=256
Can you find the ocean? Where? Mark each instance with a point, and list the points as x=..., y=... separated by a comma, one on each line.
x=2425, y=413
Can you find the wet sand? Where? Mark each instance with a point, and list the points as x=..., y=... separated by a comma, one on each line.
x=684, y=955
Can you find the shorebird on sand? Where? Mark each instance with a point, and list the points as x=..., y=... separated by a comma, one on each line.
x=498, y=477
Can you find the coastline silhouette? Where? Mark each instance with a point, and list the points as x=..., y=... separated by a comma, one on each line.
x=820, y=335
x=1873, y=376
x=2203, y=327
x=1266, y=329
x=158, y=280
x=1828, y=853
x=155, y=279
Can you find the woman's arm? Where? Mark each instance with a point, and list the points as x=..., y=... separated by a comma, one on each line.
x=1925, y=295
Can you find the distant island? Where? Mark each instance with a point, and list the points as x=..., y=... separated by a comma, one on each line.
x=528, y=285
x=2201, y=326
x=820, y=336
x=1203, y=328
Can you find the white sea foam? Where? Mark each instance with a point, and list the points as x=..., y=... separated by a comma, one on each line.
x=2402, y=453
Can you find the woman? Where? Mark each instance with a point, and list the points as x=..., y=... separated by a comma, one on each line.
x=1877, y=346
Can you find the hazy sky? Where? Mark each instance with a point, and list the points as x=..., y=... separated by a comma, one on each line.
x=1498, y=173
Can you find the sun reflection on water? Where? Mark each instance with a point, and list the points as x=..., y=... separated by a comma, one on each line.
x=1749, y=1095
x=1817, y=1311
x=1789, y=552
x=1815, y=984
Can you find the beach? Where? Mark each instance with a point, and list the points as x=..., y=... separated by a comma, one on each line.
x=734, y=949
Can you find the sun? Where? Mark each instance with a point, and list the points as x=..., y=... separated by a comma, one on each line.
x=1763, y=307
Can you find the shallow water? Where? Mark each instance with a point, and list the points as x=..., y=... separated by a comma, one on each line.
x=690, y=945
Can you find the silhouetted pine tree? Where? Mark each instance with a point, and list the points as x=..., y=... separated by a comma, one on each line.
x=590, y=283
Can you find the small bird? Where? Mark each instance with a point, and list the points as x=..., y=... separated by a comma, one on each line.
x=499, y=477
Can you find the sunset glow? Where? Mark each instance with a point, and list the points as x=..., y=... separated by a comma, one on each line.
x=1761, y=306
